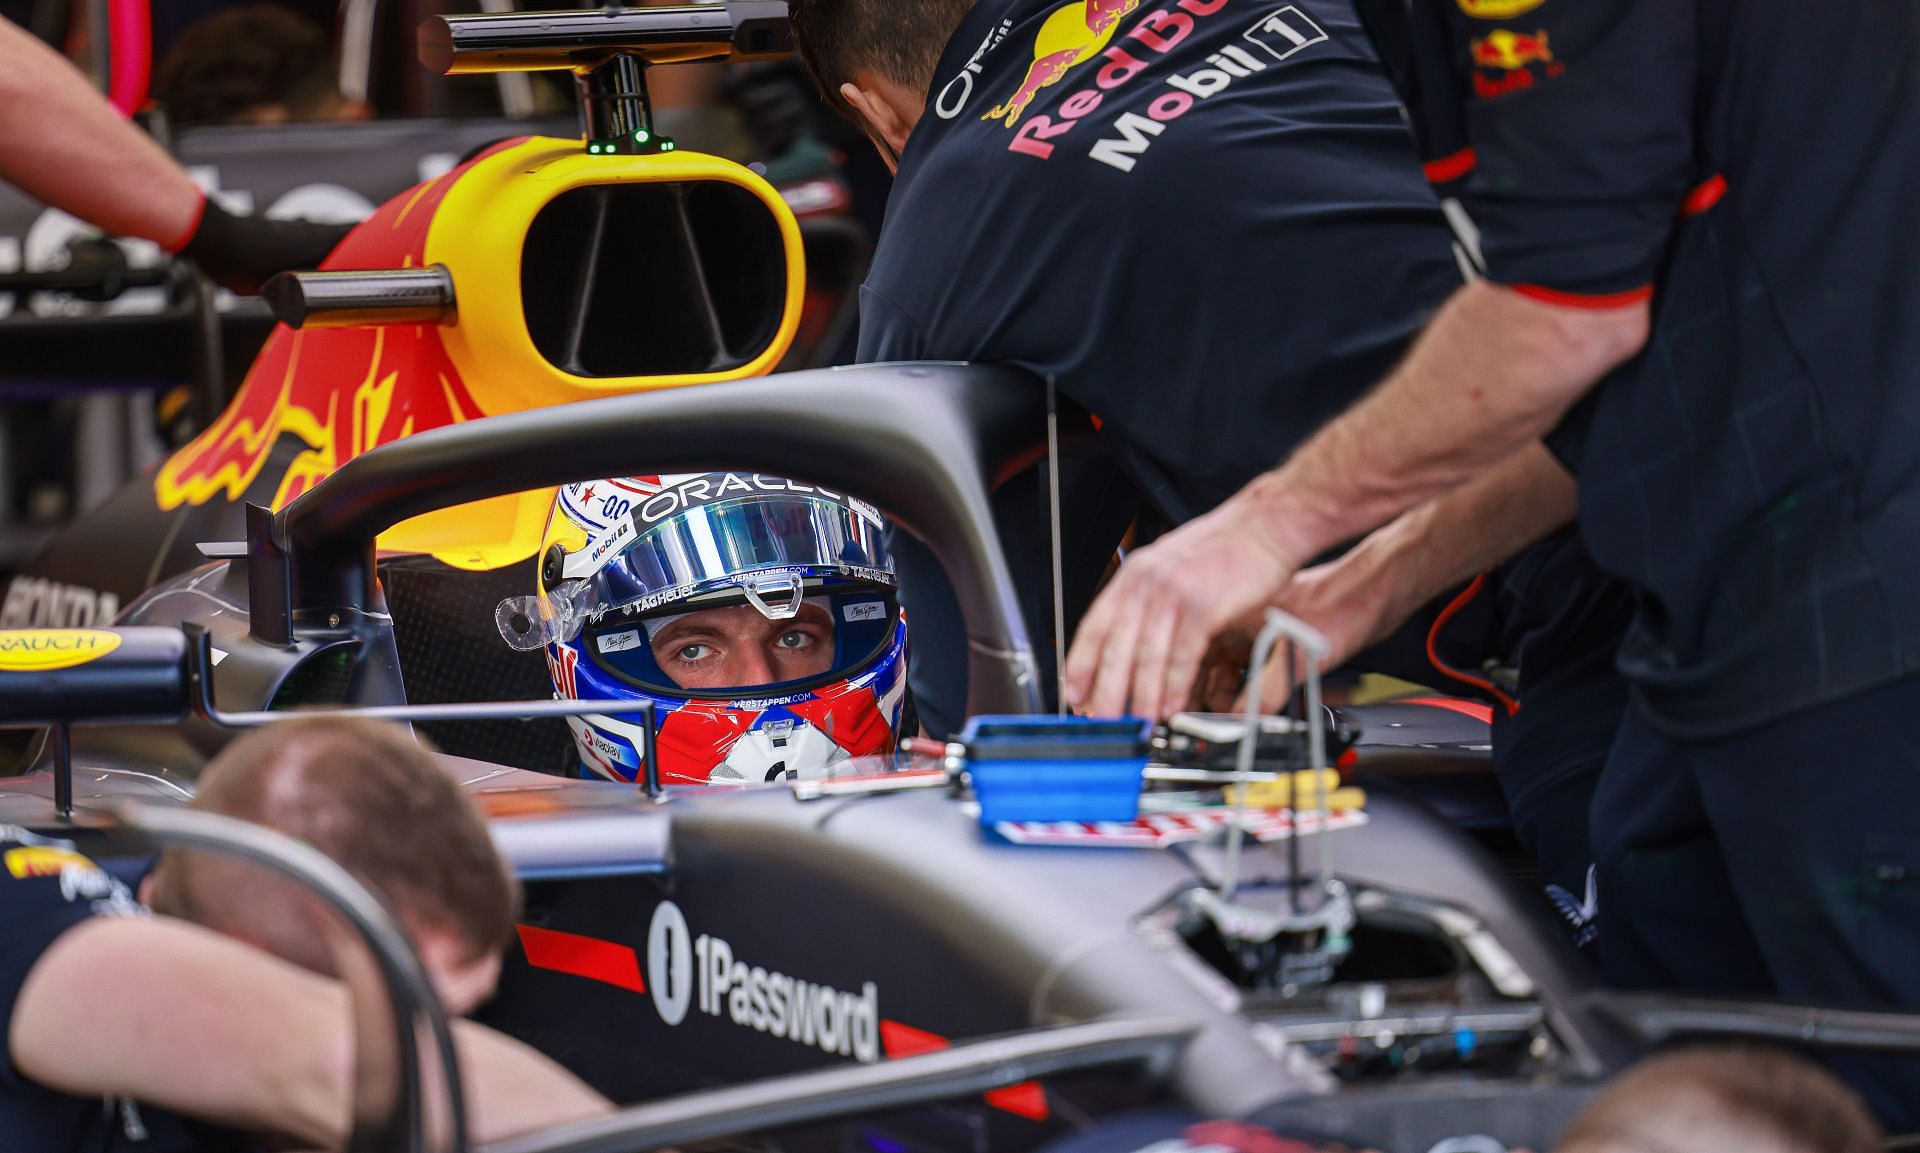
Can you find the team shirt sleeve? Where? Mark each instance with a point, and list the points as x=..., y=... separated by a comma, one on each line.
x=1579, y=121
x=36, y=908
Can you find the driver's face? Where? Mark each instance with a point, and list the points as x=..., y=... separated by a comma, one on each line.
x=737, y=647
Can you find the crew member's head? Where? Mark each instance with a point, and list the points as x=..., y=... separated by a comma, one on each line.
x=252, y=64
x=874, y=59
x=756, y=614
x=371, y=797
x=1724, y=1099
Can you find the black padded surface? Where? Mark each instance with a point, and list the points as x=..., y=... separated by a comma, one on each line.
x=450, y=651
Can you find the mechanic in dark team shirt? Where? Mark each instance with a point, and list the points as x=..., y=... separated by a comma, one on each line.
x=1112, y=192
x=127, y=1031
x=1717, y=199
x=1205, y=219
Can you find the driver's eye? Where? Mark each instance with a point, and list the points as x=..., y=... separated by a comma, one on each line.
x=794, y=640
x=694, y=652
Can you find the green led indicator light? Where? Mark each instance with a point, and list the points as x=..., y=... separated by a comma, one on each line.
x=666, y=146
x=641, y=136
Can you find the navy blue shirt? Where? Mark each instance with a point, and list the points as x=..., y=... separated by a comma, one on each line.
x=1204, y=218
x=1753, y=167
x=46, y=889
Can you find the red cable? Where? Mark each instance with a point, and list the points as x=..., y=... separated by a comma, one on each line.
x=1433, y=646
x=130, y=44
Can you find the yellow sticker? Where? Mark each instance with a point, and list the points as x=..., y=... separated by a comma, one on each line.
x=44, y=650
x=43, y=861
x=1498, y=9
x=1511, y=51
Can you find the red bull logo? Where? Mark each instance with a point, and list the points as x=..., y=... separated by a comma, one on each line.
x=1511, y=51
x=1075, y=33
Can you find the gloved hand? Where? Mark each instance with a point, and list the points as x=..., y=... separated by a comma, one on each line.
x=242, y=252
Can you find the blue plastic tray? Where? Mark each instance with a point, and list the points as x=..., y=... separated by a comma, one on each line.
x=1056, y=768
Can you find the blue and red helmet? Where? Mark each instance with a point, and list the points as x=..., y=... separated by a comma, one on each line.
x=758, y=614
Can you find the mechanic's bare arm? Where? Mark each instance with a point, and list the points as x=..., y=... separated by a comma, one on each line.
x=1493, y=372
x=1360, y=599
x=65, y=145
x=512, y=1088
x=190, y=1021
x=196, y=1023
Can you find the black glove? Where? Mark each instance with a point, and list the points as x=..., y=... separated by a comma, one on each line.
x=241, y=252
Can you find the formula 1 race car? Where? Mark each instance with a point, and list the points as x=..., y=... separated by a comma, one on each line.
x=1369, y=972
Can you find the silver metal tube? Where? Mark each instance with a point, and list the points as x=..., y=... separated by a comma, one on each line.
x=580, y=40
x=1059, y=580
x=478, y=711
x=353, y=299
x=1278, y=625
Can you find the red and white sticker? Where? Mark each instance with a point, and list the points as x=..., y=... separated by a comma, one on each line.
x=1159, y=830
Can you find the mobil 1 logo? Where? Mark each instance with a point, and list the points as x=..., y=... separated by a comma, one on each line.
x=1273, y=39
x=1285, y=32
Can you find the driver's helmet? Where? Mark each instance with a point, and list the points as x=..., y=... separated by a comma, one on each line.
x=758, y=615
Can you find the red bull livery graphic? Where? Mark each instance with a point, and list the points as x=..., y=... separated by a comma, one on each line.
x=1075, y=34
x=1504, y=61
x=1512, y=50
x=339, y=392
x=1071, y=36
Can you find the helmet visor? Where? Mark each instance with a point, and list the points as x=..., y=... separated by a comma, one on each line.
x=713, y=546
x=672, y=550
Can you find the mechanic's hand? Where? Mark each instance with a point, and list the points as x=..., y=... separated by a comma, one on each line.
x=1223, y=672
x=1343, y=600
x=1144, y=639
x=242, y=252
x=1337, y=599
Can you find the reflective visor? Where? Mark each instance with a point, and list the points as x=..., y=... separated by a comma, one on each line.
x=671, y=550
x=708, y=547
